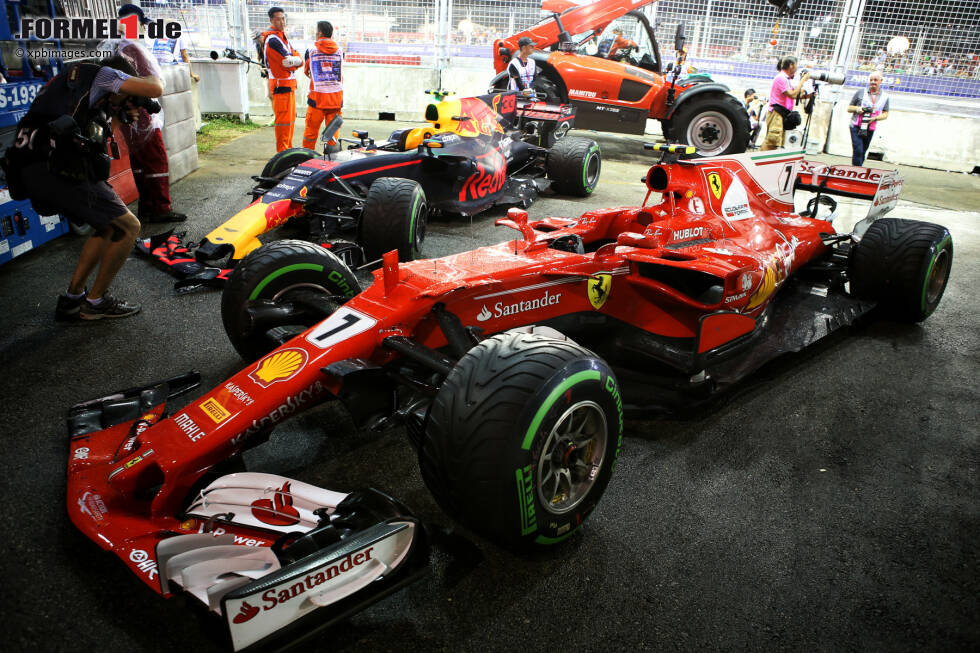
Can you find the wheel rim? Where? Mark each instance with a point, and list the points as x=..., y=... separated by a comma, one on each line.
x=313, y=286
x=710, y=132
x=937, y=277
x=280, y=297
x=572, y=457
x=592, y=171
x=561, y=130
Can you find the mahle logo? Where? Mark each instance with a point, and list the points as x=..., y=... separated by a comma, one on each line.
x=81, y=29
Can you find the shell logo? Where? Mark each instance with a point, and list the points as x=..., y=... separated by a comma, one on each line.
x=278, y=366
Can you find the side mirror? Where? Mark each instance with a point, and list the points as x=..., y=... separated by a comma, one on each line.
x=679, y=39
x=329, y=135
x=331, y=129
x=214, y=55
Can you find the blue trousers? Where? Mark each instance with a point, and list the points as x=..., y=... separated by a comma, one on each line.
x=859, y=145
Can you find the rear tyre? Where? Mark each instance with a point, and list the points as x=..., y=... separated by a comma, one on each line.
x=904, y=265
x=715, y=123
x=308, y=277
x=522, y=438
x=394, y=217
x=574, y=165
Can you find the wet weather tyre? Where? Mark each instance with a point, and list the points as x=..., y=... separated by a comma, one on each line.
x=308, y=277
x=714, y=122
x=904, y=265
x=522, y=438
x=394, y=217
x=280, y=164
x=574, y=165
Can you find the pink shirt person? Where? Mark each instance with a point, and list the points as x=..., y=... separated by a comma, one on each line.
x=777, y=94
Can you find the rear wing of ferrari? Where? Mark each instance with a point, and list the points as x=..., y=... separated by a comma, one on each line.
x=880, y=187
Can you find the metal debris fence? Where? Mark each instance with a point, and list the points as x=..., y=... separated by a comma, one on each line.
x=929, y=47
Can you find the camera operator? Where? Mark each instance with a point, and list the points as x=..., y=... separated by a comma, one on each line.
x=59, y=162
x=781, y=117
x=870, y=107
x=144, y=137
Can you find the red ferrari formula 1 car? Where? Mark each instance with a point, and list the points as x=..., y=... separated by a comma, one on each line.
x=501, y=362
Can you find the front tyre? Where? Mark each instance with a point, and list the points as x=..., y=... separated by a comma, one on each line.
x=394, y=217
x=574, y=165
x=713, y=122
x=283, y=162
x=291, y=285
x=522, y=438
x=904, y=265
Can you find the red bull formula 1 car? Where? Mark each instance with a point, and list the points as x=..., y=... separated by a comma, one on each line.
x=476, y=152
x=509, y=365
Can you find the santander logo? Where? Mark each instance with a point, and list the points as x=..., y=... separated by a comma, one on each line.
x=277, y=511
x=247, y=612
x=484, y=315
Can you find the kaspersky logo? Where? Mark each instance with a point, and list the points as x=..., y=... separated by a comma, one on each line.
x=81, y=29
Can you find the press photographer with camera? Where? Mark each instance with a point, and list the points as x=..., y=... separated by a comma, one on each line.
x=60, y=162
x=781, y=117
x=870, y=106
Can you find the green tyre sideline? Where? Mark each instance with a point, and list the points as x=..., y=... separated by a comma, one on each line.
x=523, y=438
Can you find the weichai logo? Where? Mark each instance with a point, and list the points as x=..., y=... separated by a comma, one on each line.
x=82, y=29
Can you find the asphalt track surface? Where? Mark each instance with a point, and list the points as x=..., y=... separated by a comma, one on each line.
x=832, y=504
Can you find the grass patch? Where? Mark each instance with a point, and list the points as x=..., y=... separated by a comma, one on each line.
x=220, y=129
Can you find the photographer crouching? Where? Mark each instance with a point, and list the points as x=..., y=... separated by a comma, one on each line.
x=59, y=161
x=781, y=117
x=870, y=107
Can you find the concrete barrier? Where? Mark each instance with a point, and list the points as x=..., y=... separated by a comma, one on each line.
x=945, y=141
x=179, y=128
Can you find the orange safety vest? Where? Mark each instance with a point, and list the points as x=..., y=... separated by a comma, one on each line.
x=279, y=75
x=326, y=80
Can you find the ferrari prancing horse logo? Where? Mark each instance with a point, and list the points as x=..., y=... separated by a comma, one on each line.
x=599, y=286
x=714, y=180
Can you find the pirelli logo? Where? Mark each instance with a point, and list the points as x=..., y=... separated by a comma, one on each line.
x=214, y=410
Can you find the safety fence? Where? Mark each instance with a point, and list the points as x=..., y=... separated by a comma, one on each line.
x=927, y=47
